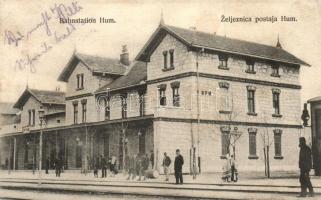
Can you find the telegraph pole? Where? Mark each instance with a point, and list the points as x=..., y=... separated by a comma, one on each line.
x=198, y=117
x=40, y=153
x=41, y=113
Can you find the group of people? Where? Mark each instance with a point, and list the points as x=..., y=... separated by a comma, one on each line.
x=178, y=165
x=58, y=165
x=135, y=165
x=138, y=165
x=230, y=172
x=104, y=164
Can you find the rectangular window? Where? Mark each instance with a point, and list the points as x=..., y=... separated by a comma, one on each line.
x=80, y=81
x=277, y=143
x=171, y=58
x=75, y=104
x=252, y=144
x=224, y=99
x=225, y=143
x=176, y=96
x=84, y=111
x=165, y=59
x=33, y=117
x=276, y=103
x=251, y=101
x=124, y=107
x=29, y=115
x=222, y=61
x=275, y=70
x=162, y=97
x=141, y=143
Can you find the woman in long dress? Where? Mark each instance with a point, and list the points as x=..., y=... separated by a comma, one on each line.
x=226, y=176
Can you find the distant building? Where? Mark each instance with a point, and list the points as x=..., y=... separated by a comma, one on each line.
x=205, y=94
x=22, y=140
x=8, y=114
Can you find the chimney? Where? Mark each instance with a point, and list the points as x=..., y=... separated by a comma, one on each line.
x=193, y=28
x=124, y=56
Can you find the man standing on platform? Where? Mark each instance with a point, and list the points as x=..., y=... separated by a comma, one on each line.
x=47, y=165
x=58, y=165
x=103, y=167
x=305, y=164
x=152, y=158
x=166, y=163
x=178, y=164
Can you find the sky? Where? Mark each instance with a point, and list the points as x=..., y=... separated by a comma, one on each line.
x=135, y=22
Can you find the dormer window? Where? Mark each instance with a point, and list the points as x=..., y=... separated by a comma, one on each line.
x=80, y=81
x=222, y=61
x=250, y=67
x=275, y=70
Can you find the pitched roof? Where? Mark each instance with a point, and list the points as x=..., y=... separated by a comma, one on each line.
x=136, y=75
x=43, y=96
x=219, y=43
x=94, y=64
x=8, y=109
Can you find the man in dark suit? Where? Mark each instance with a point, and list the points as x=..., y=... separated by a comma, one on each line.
x=58, y=165
x=305, y=164
x=178, y=164
x=47, y=165
x=103, y=167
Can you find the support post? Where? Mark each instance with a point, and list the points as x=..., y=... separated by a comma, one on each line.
x=14, y=152
x=86, y=149
x=265, y=166
x=10, y=154
x=40, y=155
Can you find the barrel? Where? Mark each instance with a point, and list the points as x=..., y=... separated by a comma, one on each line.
x=151, y=173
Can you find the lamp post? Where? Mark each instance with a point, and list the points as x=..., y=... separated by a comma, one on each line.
x=41, y=114
x=305, y=115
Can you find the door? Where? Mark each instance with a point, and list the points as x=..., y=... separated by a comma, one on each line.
x=106, y=145
x=317, y=143
x=78, y=155
x=141, y=143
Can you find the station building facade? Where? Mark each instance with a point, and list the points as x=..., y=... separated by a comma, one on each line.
x=208, y=95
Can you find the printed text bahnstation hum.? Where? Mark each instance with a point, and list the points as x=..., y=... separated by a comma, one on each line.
x=86, y=20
